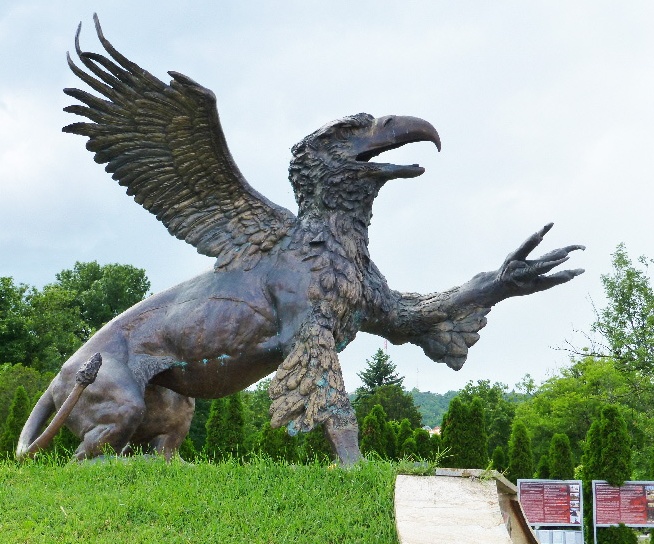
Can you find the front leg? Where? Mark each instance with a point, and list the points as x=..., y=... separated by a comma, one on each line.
x=446, y=324
x=308, y=390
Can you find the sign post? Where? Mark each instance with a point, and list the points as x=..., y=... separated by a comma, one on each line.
x=631, y=504
x=553, y=503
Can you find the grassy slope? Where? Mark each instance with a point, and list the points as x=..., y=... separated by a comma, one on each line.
x=149, y=501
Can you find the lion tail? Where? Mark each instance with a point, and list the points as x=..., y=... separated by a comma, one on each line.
x=44, y=408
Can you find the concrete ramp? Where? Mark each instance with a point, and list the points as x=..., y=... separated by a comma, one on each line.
x=460, y=506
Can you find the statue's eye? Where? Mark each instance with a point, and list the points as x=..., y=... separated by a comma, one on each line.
x=345, y=132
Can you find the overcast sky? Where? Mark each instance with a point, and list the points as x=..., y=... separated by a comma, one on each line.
x=545, y=111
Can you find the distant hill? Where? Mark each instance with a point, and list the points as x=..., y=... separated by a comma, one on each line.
x=432, y=406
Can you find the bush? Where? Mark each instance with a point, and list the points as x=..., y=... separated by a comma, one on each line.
x=620, y=534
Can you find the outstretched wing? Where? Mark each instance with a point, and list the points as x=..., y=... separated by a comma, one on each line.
x=165, y=144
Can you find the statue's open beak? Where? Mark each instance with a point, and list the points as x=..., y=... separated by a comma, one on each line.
x=391, y=132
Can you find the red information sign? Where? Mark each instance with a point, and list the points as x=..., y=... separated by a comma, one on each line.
x=551, y=502
x=631, y=504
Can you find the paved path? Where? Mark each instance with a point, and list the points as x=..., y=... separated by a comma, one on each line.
x=459, y=507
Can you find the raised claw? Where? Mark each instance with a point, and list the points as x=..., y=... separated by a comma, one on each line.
x=561, y=252
x=533, y=269
x=528, y=276
x=545, y=282
x=529, y=244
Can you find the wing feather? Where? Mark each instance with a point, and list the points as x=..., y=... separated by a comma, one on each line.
x=165, y=144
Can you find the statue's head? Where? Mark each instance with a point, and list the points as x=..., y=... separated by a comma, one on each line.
x=332, y=168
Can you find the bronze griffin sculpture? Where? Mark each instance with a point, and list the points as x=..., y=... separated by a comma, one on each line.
x=287, y=292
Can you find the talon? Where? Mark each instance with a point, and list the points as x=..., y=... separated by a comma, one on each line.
x=546, y=229
x=545, y=266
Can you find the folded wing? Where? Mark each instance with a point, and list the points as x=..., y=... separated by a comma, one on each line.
x=165, y=144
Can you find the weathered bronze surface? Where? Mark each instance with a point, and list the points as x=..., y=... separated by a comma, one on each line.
x=287, y=292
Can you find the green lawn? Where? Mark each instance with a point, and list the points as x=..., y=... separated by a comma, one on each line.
x=147, y=500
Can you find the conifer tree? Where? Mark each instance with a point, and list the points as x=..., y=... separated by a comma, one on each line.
x=521, y=464
x=187, y=449
x=404, y=432
x=607, y=456
x=65, y=443
x=390, y=432
x=477, y=438
x=225, y=428
x=561, y=465
x=214, y=445
x=499, y=459
x=19, y=411
x=453, y=433
x=315, y=446
x=618, y=534
x=234, y=427
x=543, y=467
x=615, y=455
x=374, y=432
x=423, y=445
x=278, y=444
x=409, y=448
x=436, y=445
x=591, y=463
x=380, y=371
x=464, y=433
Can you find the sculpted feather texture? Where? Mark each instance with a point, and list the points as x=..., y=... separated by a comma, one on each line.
x=286, y=294
x=165, y=144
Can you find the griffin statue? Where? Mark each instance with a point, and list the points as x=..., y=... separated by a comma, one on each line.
x=287, y=292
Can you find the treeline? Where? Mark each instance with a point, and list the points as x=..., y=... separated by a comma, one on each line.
x=41, y=328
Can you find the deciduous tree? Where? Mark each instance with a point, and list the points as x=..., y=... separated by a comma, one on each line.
x=104, y=291
x=14, y=330
x=626, y=324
